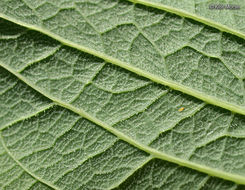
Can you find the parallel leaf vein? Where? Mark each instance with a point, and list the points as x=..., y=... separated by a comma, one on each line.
x=155, y=153
x=174, y=85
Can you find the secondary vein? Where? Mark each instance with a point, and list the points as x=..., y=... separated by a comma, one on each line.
x=155, y=153
x=193, y=16
x=160, y=80
x=23, y=167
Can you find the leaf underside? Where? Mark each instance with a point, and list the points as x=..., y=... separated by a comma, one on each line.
x=116, y=95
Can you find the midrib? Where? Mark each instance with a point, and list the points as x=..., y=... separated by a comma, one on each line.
x=172, y=84
x=153, y=152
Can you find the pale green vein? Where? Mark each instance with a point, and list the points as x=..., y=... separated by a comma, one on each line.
x=193, y=16
x=154, y=45
x=8, y=88
x=44, y=108
x=148, y=159
x=42, y=57
x=155, y=153
x=12, y=37
x=174, y=85
x=142, y=110
x=194, y=112
x=210, y=56
x=23, y=167
x=90, y=81
x=75, y=166
x=121, y=91
x=204, y=181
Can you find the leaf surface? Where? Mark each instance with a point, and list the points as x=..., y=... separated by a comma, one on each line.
x=89, y=26
x=103, y=117
x=226, y=16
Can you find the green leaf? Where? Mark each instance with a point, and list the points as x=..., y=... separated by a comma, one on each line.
x=91, y=28
x=227, y=16
x=112, y=94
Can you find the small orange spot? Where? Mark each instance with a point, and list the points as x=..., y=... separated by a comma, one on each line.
x=181, y=109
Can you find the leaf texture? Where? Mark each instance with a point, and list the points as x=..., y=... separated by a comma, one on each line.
x=88, y=102
x=226, y=16
x=89, y=27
